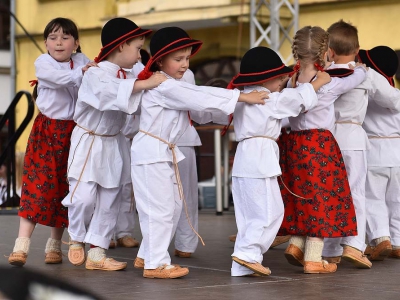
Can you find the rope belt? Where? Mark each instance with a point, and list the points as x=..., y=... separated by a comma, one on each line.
x=259, y=136
x=348, y=122
x=383, y=137
x=177, y=176
x=91, y=133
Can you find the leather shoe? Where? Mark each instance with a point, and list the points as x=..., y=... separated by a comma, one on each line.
x=280, y=240
x=164, y=273
x=128, y=242
x=105, y=264
x=182, y=254
x=138, y=263
x=17, y=258
x=294, y=255
x=112, y=244
x=232, y=238
x=255, y=267
x=76, y=253
x=320, y=267
x=356, y=257
x=380, y=251
x=53, y=257
x=395, y=253
x=332, y=259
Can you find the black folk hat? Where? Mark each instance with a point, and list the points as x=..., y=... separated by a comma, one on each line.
x=258, y=65
x=382, y=59
x=165, y=41
x=116, y=32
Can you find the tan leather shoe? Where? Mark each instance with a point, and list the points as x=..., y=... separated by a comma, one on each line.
x=182, y=254
x=280, y=240
x=164, y=273
x=255, y=267
x=105, y=264
x=356, y=257
x=138, y=263
x=112, y=244
x=368, y=250
x=332, y=259
x=395, y=253
x=294, y=255
x=380, y=251
x=76, y=253
x=312, y=267
x=53, y=257
x=232, y=238
x=127, y=242
x=17, y=258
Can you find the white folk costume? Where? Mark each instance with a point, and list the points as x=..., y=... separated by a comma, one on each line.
x=98, y=158
x=350, y=110
x=44, y=182
x=163, y=120
x=256, y=195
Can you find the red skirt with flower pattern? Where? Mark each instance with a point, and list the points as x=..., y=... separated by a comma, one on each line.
x=44, y=179
x=314, y=186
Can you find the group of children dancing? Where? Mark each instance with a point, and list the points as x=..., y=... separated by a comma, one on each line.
x=329, y=176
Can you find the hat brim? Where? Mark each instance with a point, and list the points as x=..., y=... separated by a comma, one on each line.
x=364, y=58
x=248, y=79
x=195, y=44
x=105, y=51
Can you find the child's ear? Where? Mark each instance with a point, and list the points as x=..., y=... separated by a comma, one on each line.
x=159, y=63
x=330, y=55
x=121, y=47
x=357, y=50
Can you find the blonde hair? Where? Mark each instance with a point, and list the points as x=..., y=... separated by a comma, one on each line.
x=310, y=43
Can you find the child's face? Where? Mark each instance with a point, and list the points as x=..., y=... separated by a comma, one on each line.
x=176, y=63
x=60, y=45
x=130, y=53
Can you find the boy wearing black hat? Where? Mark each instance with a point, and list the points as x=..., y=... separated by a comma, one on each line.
x=350, y=111
x=382, y=125
x=164, y=118
x=256, y=195
x=99, y=159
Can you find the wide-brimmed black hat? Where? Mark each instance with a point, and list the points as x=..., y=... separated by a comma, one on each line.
x=258, y=65
x=116, y=32
x=382, y=59
x=165, y=41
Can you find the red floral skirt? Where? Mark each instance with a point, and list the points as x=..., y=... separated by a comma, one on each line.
x=314, y=186
x=44, y=179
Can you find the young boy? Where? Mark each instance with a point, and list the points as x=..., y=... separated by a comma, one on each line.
x=256, y=195
x=99, y=157
x=164, y=118
x=382, y=124
x=350, y=110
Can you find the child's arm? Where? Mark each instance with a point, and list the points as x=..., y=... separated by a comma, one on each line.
x=88, y=65
x=340, y=86
x=155, y=80
x=322, y=79
x=254, y=97
x=382, y=93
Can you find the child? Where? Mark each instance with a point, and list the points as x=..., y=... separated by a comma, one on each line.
x=99, y=157
x=314, y=185
x=258, y=203
x=382, y=124
x=44, y=182
x=163, y=120
x=350, y=110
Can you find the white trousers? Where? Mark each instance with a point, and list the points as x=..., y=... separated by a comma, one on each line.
x=126, y=215
x=92, y=213
x=159, y=208
x=383, y=204
x=356, y=167
x=259, y=213
x=185, y=239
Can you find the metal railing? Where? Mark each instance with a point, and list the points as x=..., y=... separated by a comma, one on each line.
x=7, y=156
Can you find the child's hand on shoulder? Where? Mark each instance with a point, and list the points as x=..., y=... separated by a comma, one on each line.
x=88, y=65
x=323, y=77
x=358, y=64
x=155, y=80
x=255, y=97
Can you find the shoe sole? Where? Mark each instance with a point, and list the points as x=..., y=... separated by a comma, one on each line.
x=171, y=277
x=235, y=259
x=101, y=269
x=356, y=262
x=318, y=272
x=293, y=260
x=382, y=255
x=53, y=262
x=16, y=263
x=282, y=241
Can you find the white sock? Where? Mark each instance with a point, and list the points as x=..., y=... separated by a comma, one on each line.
x=96, y=254
x=313, y=251
x=22, y=244
x=299, y=241
x=169, y=267
x=53, y=245
x=381, y=239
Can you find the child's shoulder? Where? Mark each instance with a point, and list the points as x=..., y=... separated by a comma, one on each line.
x=80, y=58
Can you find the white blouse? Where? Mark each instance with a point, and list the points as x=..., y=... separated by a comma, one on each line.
x=58, y=85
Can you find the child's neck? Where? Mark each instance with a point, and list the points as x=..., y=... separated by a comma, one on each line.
x=344, y=59
x=307, y=73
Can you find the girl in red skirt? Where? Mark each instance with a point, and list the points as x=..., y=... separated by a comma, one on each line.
x=314, y=184
x=44, y=181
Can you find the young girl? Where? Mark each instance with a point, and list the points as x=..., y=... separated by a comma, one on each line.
x=154, y=155
x=44, y=182
x=255, y=189
x=314, y=187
